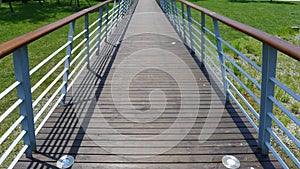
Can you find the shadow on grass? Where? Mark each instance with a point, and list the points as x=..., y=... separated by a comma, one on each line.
x=33, y=12
x=265, y=2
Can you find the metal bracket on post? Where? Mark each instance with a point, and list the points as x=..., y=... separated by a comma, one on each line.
x=190, y=29
x=21, y=67
x=99, y=30
x=87, y=36
x=267, y=89
x=203, y=38
x=67, y=62
x=183, y=23
x=221, y=57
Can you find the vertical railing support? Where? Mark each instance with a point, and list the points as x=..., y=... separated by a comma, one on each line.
x=166, y=7
x=190, y=29
x=21, y=68
x=267, y=90
x=119, y=10
x=177, y=18
x=67, y=62
x=106, y=23
x=172, y=17
x=99, y=30
x=87, y=36
x=112, y=17
x=183, y=23
x=203, y=38
x=163, y=2
x=169, y=8
x=221, y=57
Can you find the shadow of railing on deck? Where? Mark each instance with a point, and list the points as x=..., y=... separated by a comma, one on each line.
x=242, y=126
x=63, y=131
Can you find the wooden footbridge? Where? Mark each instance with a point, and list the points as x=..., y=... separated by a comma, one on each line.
x=148, y=85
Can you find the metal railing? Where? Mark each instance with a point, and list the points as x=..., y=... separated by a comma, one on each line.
x=254, y=93
x=65, y=64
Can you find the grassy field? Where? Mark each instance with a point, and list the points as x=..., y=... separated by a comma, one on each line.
x=276, y=18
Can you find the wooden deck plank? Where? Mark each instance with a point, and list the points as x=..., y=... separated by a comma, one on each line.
x=143, y=129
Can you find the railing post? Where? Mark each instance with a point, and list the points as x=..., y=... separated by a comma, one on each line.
x=87, y=36
x=202, y=37
x=267, y=89
x=183, y=22
x=162, y=4
x=190, y=29
x=221, y=57
x=125, y=7
x=169, y=8
x=177, y=19
x=166, y=6
x=21, y=68
x=119, y=10
x=99, y=30
x=67, y=62
x=112, y=17
x=106, y=24
x=172, y=12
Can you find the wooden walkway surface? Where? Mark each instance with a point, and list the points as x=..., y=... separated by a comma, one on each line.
x=146, y=103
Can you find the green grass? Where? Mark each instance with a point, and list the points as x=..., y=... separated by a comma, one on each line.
x=275, y=18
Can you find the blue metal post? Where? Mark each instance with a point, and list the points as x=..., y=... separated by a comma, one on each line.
x=177, y=19
x=221, y=57
x=112, y=17
x=128, y=4
x=99, y=30
x=267, y=89
x=67, y=62
x=162, y=4
x=124, y=7
x=169, y=8
x=165, y=6
x=119, y=10
x=172, y=12
x=21, y=67
x=183, y=22
x=202, y=38
x=106, y=23
x=87, y=36
x=190, y=29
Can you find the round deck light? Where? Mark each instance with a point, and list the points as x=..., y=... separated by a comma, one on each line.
x=65, y=161
x=231, y=162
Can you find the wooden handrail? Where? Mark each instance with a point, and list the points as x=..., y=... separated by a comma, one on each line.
x=281, y=45
x=12, y=45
